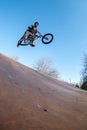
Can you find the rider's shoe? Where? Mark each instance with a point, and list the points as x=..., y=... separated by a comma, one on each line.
x=18, y=44
x=31, y=43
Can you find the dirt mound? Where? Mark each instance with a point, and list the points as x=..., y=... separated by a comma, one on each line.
x=32, y=101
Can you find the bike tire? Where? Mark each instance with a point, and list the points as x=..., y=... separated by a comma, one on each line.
x=24, y=44
x=47, y=38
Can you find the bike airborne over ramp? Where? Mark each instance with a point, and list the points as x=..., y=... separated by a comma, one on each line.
x=32, y=34
x=46, y=39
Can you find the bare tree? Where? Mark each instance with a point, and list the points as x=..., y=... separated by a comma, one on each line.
x=45, y=66
x=84, y=73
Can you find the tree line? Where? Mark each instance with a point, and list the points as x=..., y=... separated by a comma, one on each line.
x=45, y=65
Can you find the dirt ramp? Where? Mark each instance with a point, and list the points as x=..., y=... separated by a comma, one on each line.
x=32, y=101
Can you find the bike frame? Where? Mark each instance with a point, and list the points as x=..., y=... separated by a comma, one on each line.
x=35, y=37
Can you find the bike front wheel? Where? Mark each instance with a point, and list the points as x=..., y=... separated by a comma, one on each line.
x=47, y=38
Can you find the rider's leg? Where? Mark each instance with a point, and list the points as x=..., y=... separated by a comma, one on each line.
x=31, y=43
x=25, y=36
x=20, y=41
x=29, y=34
x=22, y=38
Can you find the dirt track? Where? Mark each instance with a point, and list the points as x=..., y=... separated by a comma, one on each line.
x=32, y=101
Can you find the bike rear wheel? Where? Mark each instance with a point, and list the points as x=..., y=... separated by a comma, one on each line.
x=47, y=38
x=23, y=43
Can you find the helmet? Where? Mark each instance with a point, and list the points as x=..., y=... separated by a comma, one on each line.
x=36, y=24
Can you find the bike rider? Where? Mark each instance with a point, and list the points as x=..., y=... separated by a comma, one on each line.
x=31, y=31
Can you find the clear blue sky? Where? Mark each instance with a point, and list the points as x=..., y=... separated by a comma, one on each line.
x=66, y=19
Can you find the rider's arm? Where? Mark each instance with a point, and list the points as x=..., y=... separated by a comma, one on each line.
x=38, y=32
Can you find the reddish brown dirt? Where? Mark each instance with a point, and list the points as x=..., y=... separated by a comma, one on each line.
x=32, y=101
